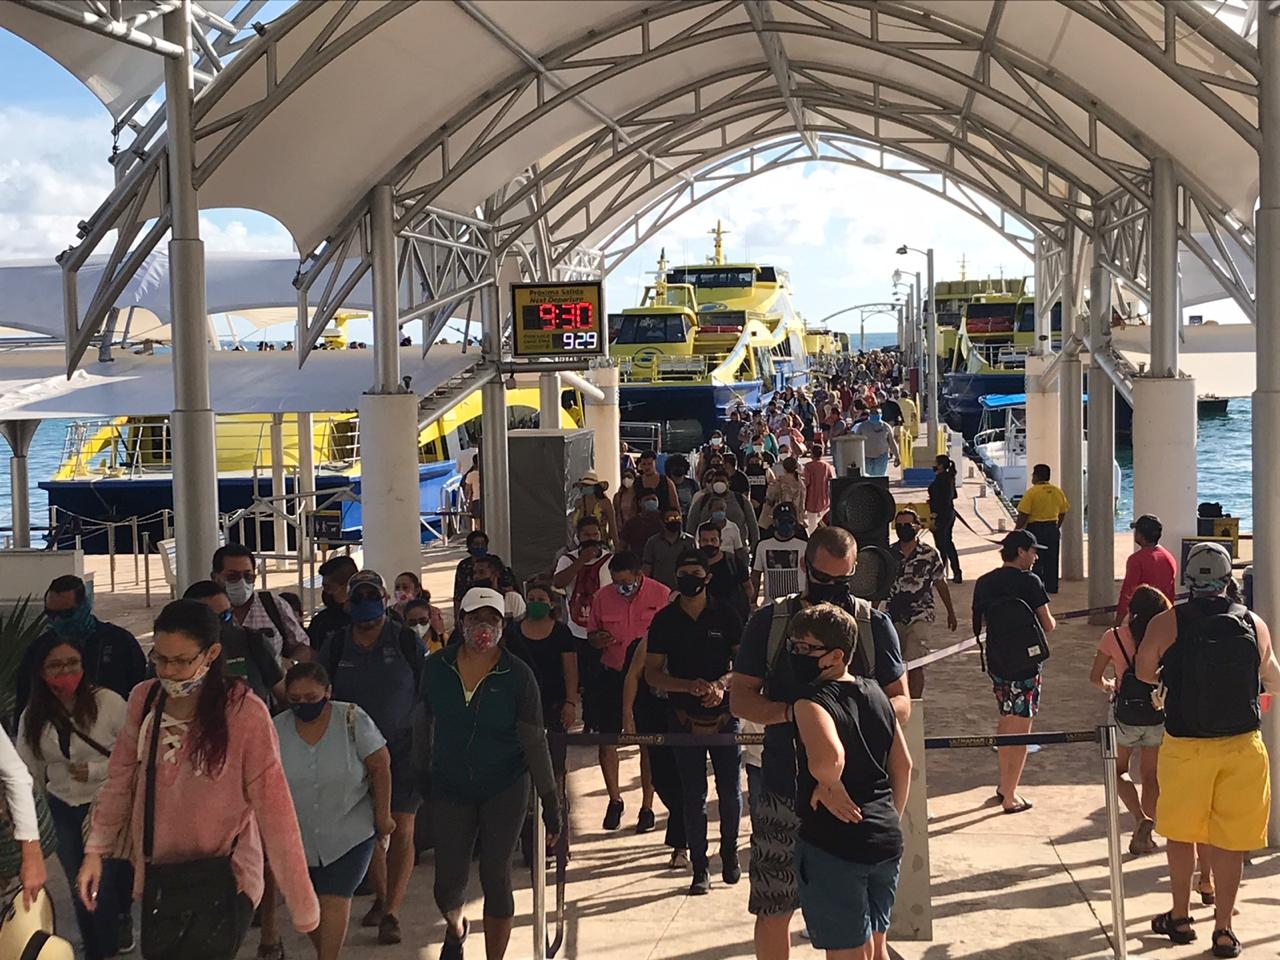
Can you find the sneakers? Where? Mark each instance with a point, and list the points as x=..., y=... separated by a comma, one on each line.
x=452, y=949
x=613, y=816
x=731, y=872
x=701, y=885
x=374, y=917
x=125, y=942
x=271, y=951
x=389, y=930
x=646, y=822
x=679, y=860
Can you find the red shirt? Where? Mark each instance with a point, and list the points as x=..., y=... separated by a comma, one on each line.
x=817, y=485
x=627, y=618
x=1153, y=566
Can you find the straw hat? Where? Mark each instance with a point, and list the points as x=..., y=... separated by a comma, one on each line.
x=28, y=934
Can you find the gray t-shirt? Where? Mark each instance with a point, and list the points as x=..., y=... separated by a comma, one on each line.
x=876, y=437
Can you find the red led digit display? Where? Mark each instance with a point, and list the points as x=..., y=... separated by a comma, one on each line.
x=557, y=319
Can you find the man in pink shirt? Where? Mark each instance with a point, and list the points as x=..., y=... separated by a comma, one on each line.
x=620, y=617
x=1150, y=563
x=817, y=476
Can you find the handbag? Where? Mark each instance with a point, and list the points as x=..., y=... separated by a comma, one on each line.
x=122, y=847
x=189, y=910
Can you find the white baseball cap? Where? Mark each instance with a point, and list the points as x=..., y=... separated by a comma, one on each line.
x=478, y=598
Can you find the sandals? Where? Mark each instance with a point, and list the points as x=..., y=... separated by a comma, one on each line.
x=1020, y=805
x=1231, y=948
x=1168, y=924
x=1142, y=842
x=1206, y=896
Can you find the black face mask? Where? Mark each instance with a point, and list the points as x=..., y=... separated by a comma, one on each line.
x=805, y=669
x=674, y=526
x=709, y=551
x=486, y=584
x=690, y=585
x=905, y=531
x=588, y=544
x=837, y=593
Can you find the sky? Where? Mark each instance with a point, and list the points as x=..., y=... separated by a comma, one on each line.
x=834, y=228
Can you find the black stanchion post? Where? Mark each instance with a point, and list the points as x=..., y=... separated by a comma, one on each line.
x=539, y=856
x=1110, y=780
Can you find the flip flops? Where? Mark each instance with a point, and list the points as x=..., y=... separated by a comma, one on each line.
x=1020, y=805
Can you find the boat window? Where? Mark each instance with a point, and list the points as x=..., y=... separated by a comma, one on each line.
x=983, y=311
x=663, y=328
x=1027, y=317
x=714, y=279
x=767, y=275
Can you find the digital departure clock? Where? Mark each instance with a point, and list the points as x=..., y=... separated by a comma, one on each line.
x=558, y=320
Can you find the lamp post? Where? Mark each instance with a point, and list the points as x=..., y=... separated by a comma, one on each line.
x=931, y=339
x=866, y=310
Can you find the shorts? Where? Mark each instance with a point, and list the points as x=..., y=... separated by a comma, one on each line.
x=340, y=878
x=405, y=797
x=844, y=902
x=1215, y=791
x=1134, y=738
x=602, y=702
x=914, y=638
x=1017, y=698
x=774, y=826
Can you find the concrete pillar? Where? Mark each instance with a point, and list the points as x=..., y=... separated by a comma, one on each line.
x=1164, y=455
x=195, y=462
x=495, y=480
x=601, y=416
x=549, y=401
x=1043, y=417
x=306, y=502
x=389, y=506
x=1071, y=437
x=1166, y=314
x=279, y=528
x=1102, y=451
x=1266, y=398
x=19, y=434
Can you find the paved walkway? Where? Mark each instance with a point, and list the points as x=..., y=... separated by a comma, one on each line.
x=1030, y=886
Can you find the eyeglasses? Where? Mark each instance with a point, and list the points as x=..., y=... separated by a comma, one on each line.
x=63, y=666
x=418, y=622
x=235, y=576
x=817, y=576
x=803, y=648
x=180, y=662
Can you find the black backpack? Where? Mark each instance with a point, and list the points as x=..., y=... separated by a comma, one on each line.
x=1217, y=691
x=1015, y=644
x=1132, y=702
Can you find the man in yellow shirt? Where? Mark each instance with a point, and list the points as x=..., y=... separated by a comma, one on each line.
x=910, y=426
x=1041, y=511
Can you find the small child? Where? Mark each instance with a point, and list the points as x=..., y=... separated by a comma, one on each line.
x=854, y=772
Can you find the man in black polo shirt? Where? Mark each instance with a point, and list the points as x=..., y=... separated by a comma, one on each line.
x=728, y=580
x=692, y=644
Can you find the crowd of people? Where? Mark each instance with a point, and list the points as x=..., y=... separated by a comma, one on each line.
x=709, y=595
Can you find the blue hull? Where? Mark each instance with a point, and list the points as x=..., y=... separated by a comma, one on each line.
x=961, y=410
x=119, y=499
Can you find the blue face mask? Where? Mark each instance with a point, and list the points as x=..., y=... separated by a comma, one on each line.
x=478, y=551
x=717, y=515
x=650, y=505
x=627, y=589
x=225, y=616
x=78, y=622
x=875, y=418
x=366, y=611
x=786, y=529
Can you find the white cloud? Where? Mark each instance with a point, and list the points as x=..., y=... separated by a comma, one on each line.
x=238, y=236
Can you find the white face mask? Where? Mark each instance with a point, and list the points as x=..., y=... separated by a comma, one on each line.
x=627, y=482
x=421, y=630
x=240, y=592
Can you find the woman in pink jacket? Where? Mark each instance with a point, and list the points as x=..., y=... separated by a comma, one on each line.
x=219, y=788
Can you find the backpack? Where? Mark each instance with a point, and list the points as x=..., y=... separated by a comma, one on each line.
x=585, y=586
x=409, y=646
x=784, y=608
x=1216, y=692
x=1015, y=645
x=287, y=646
x=1132, y=703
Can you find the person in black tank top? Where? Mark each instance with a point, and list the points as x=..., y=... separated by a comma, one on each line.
x=1210, y=656
x=649, y=479
x=853, y=774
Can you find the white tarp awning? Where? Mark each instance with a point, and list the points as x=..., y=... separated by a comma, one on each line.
x=1221, y=357
x=34, y=385
x=257, y=287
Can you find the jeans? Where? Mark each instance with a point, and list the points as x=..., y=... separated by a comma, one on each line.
x=1046, y=568
x=691, y=763
x=877, y=466
x=99, y=929
x=943, y=538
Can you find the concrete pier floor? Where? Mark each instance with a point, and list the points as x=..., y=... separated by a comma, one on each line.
x=1032, y=886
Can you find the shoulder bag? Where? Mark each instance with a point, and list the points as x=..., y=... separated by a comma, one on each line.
x=189, y=910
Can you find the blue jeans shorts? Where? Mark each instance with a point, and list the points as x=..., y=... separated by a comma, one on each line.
x=844, y=902
x=341, y=877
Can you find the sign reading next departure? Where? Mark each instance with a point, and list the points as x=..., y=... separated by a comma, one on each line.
x=551, y=320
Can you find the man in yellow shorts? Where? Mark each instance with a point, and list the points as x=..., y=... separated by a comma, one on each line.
x=1211, y=658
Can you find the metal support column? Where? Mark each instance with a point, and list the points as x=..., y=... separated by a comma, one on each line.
x=917, y=343
x=931, y=336
x=549, y=401
x=195, y=463
x=1102, y=449
x=495, y=480
x=1071, y=438
x=386, y=310
x=279, y=528
x=306, y=480
x=1166, y=313
x=1266, y=399
x=19, y=434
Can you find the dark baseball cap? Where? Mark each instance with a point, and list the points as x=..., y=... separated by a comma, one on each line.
x=1149, y=526
x=784, y=509
x=1021, y=539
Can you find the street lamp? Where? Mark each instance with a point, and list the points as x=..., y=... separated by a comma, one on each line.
x=931, y=336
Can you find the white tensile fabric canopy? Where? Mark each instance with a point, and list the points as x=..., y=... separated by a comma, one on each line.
x=1221, y=357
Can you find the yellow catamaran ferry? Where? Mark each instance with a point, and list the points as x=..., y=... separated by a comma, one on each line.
x=706, y=337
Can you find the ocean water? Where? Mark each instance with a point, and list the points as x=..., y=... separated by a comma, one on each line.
x=1223, y=449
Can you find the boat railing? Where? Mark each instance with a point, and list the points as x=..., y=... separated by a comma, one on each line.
x=1000, y=356
x=680, y=368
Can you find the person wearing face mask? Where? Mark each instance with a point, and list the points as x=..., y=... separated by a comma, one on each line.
x=663, y=549
x=65, y=736
x=920, y=573
x=246, y=654
x=464, y=574
x=690, y=652
x=620, y=617
x=777, y=571
x=738, y=510
x=677, y=468
x=592, y=502
x=332, y=618
x=757, y=475
x=479, y=731
x=787, y=489
x=817, y=476
x=377, y=664
x=879, y=444
x=112, y=656
x=625, y=505
x=649, y=480
x=339, y=774
x=427, y=625
x=645, y=524
x=764, y=688
x=728, y=580
x=407, y=586
x=234, y=568
x=942, y=497
x=487, y=573
x=547, y=646
x=193, y=740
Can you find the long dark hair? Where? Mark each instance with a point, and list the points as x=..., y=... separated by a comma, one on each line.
x=44, y=707
x=209, y=733
x=1146, y=603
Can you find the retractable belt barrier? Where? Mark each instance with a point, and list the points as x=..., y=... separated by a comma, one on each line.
x=546, y=946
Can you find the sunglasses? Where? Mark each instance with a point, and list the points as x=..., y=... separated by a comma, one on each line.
x=817, y=576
